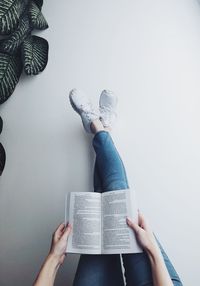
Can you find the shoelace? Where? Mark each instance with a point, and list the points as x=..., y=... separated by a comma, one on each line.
x=106, y=109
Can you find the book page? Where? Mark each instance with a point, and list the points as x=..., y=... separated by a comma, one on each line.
x=85, y=217
x=117, y=237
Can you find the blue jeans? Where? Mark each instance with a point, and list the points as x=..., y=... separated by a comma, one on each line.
x=105, y=270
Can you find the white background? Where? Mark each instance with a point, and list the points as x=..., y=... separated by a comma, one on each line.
x=148, y=52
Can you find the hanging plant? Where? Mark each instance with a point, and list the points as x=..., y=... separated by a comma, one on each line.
x=2, y=151
x=18, y=48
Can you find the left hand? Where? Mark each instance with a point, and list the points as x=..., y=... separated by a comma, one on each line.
x=59, y=242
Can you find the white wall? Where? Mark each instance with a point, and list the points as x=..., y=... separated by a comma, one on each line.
x=148, y=52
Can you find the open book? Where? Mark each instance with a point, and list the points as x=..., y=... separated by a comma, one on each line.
x=99, y=222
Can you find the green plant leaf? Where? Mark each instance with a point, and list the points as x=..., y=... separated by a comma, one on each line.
x=10, y=12
x=10, y=71
x=12, y=43
x=36, y=17
x=39, y=3
x=34, y=54
x=2, y=158
x=1, y=124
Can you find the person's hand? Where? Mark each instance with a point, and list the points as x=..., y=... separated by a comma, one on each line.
x=143, y=233
x=59, y=242
x=55, y=258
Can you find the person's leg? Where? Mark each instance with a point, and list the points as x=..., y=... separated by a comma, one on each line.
x=113, y=176
x=138, y=269
x=96, y=179
x=110, y=171
x=99, y=270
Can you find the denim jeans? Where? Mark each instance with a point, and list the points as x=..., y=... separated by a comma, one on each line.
x=106, y=270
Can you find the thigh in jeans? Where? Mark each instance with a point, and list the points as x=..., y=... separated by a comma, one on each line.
x=99, y=270
x=138, y=269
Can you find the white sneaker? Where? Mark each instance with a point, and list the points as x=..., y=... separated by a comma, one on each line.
x=83, y=107
x=107, y=108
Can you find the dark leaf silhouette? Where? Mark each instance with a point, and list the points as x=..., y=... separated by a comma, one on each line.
x=34, y=54
x=12, y=43
x=2, y=158
x=10, y=71
x=1, y=124
x=10, y=12
x=36, y=17
x=39, y=3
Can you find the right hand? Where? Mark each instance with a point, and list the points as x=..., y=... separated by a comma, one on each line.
x=143, y=233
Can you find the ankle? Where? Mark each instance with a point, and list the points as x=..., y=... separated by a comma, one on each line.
x=108, y=129
x=96, y=126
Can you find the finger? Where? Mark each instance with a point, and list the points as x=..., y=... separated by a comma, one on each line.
x=142, y=221
x=58, y=232
x=62, y=258
x=133, y=225
x=67, y=232
x=60, y=227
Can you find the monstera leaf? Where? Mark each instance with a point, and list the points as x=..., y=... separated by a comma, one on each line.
x=10, y=12
x=39, y=3
x=2, y=158
x=12, y=43
x=34, y=54
x=36, y=17
x=10, y=71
